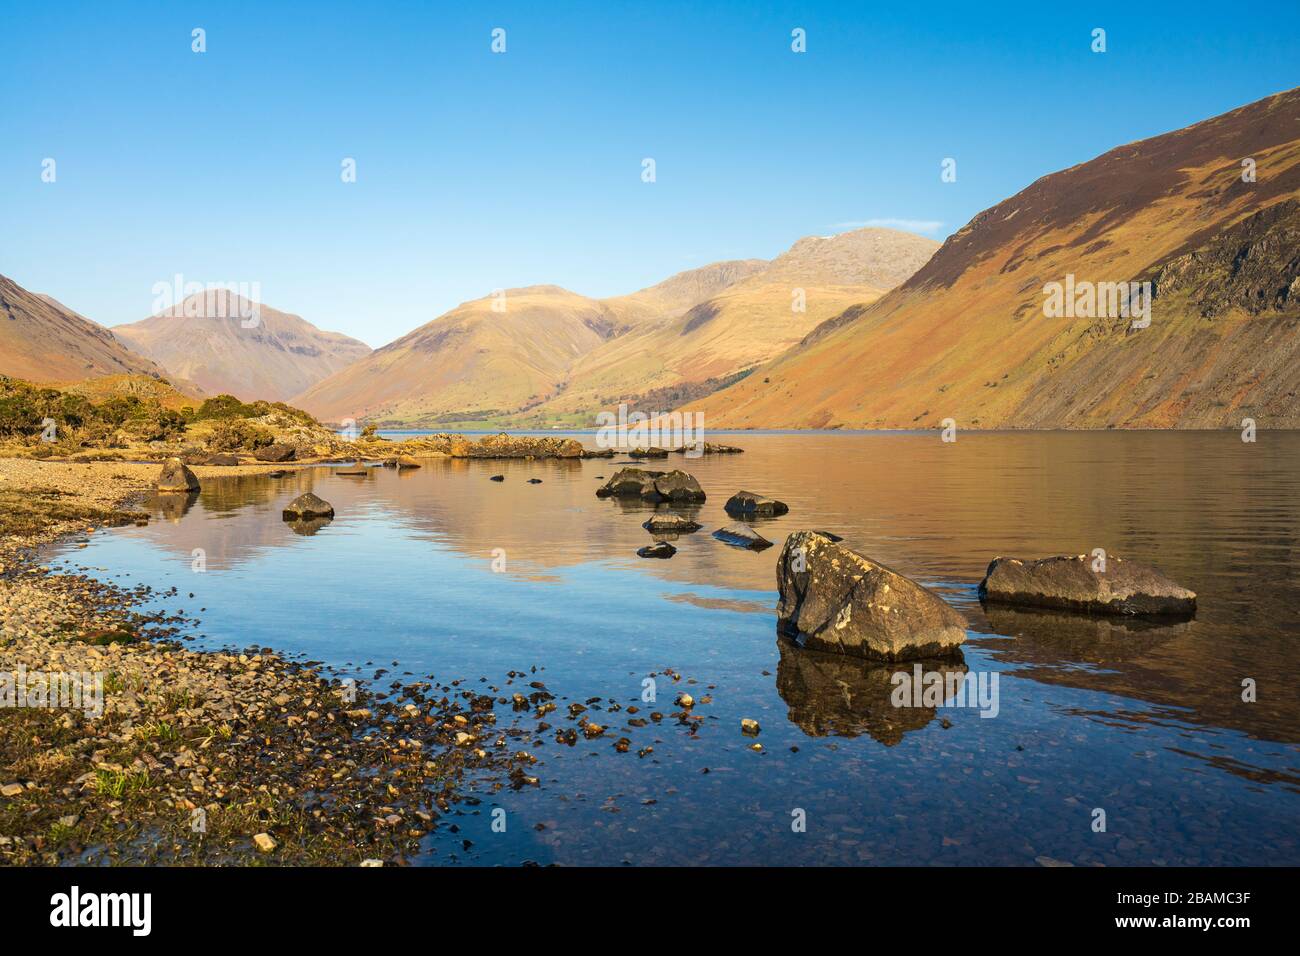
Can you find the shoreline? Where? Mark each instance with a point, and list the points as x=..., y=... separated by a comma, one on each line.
x=201, y=756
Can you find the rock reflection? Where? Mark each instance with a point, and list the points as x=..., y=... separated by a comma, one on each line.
x=172, y=506
x=1049, y=637
x=830, y=695
x=307, y=526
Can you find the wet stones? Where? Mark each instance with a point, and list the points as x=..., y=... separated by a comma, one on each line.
x=653, y=486
x=307, y=506
x=176, y=477
x=660, y=549
x=836, y=600
x=746, y=504
x=1107, y=585
x=742, y=536
x=670, y=524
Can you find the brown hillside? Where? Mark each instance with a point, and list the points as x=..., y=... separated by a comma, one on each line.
x=966, y=337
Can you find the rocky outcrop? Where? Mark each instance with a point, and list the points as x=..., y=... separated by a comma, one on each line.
x=276, y=453
x=1082, y=583
x=707, y=448
x=746, y=504
x=836, y=600
x=307, y=506
x=1254, y=266
x=176, y=477
x=673, y=486
x=742, y=536
x=671, y=524
x=515, y=446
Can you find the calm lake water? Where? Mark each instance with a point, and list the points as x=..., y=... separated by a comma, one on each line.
x=1146, y=723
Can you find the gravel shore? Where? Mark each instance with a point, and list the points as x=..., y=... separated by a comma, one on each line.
x=119, y=745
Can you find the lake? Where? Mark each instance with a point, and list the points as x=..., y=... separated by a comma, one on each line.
x=1143, y=722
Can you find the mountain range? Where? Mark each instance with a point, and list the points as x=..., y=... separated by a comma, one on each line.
x=226, y=344
x=872, y=328
x=1209, y=215
x=544, y=355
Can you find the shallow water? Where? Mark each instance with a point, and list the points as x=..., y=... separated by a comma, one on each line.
x=1146, y=723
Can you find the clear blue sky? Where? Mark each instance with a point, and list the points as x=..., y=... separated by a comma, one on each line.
x=478, y=170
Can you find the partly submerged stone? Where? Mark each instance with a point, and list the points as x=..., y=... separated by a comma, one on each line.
x=655, y=486
x=745, y=504
x=836, y=600
x=660, y=549
x=742, y=536
x=651, y=452
x=678, y=486
x=308, y=505
x=670, y=524
x=400, y=462
x=1107, y=585
x=176, y=477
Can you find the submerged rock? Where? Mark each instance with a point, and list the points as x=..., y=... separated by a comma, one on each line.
x=836, y=600
x=675, y=486
x=277, y=452
x=497, y=478
x=671, y=524
x=308, y=505
x=744, y=504
x=359, y=471
x=1070, y=583
x=176, y=477
x=660, y=549
x=742, y=536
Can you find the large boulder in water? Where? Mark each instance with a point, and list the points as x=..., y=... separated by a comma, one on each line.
x=678, y=487
x=746, y=504
x=836, y=600
x=308, y=505
x=1116, y=586
x=675, y=486
x=176, y=477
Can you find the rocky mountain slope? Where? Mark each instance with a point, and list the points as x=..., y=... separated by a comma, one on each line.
x=42, y=340
x=208, y=340
x=546, y=355
x=968, y=338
